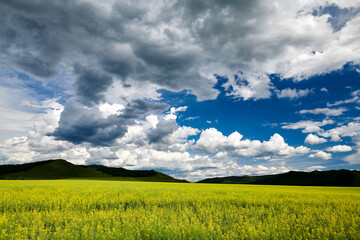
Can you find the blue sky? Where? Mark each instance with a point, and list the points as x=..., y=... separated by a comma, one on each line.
x=192, y=88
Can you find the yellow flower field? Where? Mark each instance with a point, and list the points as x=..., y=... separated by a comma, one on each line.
x=95, y=209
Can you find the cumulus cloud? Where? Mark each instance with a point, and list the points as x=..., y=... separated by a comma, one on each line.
x=212, y=141
x=292, y=93
x=321, y=155
x=339, y=148
x=325, y=111
x=313, y=139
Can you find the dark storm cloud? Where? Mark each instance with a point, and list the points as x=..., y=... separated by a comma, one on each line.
x=174, y=44
x=38, y=36
x=91, y=85
x=79, y=124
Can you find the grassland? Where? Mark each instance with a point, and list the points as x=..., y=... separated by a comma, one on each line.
x=95, y=209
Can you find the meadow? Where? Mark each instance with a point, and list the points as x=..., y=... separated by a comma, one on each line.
x=95, y=209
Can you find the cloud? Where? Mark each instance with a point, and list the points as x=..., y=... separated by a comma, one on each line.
x=314, y=168
x=308, y=126
x=321, y=155
x=313, y=139
x=355, y=98
x=292, y=93
x=324, y=89
x=176, y=45
x=352, y=129
x=173, y=112
x=339, y=148
x=325, y=111
x=111, y=109
x=162, y=129
x=91, y=85
x=191, y=118
x=79, y=123
x=30, y=149
x=249, y=86
x=355, y=157
x=212, y=141
x=159, y=133
x=112, y=55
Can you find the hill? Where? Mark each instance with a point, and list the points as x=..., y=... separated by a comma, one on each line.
x=315, y=178
x=62, y=169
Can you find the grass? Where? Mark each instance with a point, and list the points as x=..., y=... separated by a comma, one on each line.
x=96, y=209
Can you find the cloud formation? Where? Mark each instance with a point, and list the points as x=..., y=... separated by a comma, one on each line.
x=292, y=93
x=313, y=139
x=178, y=44
x=321, y=155
x=114, y=59
x=212, y=141
x=79, y=123
x=339, y=148
x=308, y=126
x=325, y=111
x=352, y=129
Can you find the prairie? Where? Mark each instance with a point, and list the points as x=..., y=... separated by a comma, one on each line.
x=97, y=209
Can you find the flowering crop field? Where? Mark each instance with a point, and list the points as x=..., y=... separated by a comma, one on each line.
x=95, y=209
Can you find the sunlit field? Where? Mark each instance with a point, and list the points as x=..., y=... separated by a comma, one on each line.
x=95, y=209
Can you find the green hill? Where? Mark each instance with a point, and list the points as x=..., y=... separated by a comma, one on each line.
x=61, y=169
x=315, y=178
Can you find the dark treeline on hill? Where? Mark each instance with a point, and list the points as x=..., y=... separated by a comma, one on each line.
x=61, y=169
x=315, y=178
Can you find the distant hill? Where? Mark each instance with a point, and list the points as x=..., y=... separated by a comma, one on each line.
x=315, y=178
x=62, y=169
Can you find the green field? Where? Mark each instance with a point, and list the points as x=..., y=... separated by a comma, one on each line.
x=95, y=209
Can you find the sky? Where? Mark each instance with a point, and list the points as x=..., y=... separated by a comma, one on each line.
x=192, y=88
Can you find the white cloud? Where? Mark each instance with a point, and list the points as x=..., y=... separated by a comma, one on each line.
x=191, y=118
x=352, y=129
x=249, y=86
x=339, y=148
x=308, y=126
x=313, y=139
x=173, y=111
x=325, y=111
x=292, y=93
x=354, y=158
x=212, y=141
x=324, y=89
x=153, y=120
x=314, y=168
x=110, y=109
x=29, y=149
x=321, y=155
x=355, y=98
x=15, y=120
